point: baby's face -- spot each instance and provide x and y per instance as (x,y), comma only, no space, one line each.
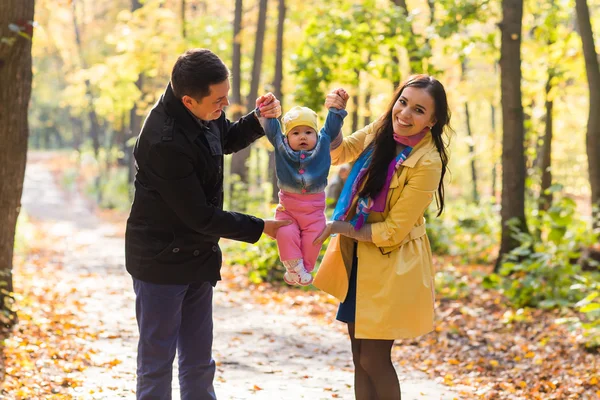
(302,137)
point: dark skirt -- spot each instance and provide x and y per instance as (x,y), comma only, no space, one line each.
(347,310)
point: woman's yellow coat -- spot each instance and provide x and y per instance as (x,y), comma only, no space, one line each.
(395,289)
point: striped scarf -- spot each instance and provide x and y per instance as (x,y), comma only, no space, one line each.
(358,174)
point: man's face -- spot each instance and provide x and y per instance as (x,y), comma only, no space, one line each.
(210,107)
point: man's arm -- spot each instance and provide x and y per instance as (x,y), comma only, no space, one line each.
(172,173)
(240,134)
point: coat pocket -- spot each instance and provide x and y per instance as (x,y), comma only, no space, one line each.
(167,249)
(183,252)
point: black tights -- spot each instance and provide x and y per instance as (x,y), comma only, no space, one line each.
(374,377)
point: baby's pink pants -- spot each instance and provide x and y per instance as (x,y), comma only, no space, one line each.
(295,241)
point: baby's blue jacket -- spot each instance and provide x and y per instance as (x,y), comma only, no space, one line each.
(304,171)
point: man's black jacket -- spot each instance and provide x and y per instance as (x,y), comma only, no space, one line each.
(177,215)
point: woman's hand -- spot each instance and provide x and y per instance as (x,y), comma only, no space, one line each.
(327,231)
(345,228)
(337,99)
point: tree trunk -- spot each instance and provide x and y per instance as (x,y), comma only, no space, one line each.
(368,95)
(15,92)
(494,163)
(238,160)
(135,121)
(183,26)
(545,167)
(415,61)
(273,178)
(513,157)
(278,78)
(258,54)
(135,126)
(431,4)
(471,143)
(475,192)
(593,123)
(236,70)
(94,125)
(77,127)
(57,137)
(277,91)
(236,76)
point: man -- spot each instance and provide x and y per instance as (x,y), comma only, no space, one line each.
(177,219)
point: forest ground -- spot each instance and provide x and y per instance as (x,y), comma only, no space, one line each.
(77,334)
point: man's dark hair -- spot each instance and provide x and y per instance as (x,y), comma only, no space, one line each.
(194,72)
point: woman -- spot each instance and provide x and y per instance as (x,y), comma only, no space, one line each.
(379,264)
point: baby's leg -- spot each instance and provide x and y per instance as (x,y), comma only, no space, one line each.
(311,227)
(288,244)
(288,237)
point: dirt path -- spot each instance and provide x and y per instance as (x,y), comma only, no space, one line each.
(260,354)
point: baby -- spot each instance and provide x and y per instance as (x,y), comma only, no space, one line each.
(302,163)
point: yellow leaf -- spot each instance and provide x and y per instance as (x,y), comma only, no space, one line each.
(449,380)
(493,363)
(530,354)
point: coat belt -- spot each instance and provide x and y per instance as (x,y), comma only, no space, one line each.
(415,233)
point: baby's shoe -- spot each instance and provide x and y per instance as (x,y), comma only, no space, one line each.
(296,273)
(291,277)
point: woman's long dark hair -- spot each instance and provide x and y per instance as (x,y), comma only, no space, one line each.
(385,146)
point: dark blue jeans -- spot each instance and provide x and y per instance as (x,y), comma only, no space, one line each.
(174,318)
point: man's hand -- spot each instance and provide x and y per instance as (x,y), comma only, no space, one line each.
(269,106)
(337,99)
(272,226)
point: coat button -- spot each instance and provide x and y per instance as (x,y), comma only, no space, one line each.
(301,171)
(215,248)
(214,200)
(196,252)
(176,250)
(303,156)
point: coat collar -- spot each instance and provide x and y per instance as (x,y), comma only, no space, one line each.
(425,146)
(175,109)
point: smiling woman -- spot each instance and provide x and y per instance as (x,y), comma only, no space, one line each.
(413,112)
(379,262)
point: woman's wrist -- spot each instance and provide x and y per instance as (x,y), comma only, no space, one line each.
(346,229)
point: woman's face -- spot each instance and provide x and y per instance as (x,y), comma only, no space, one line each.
(413,111)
